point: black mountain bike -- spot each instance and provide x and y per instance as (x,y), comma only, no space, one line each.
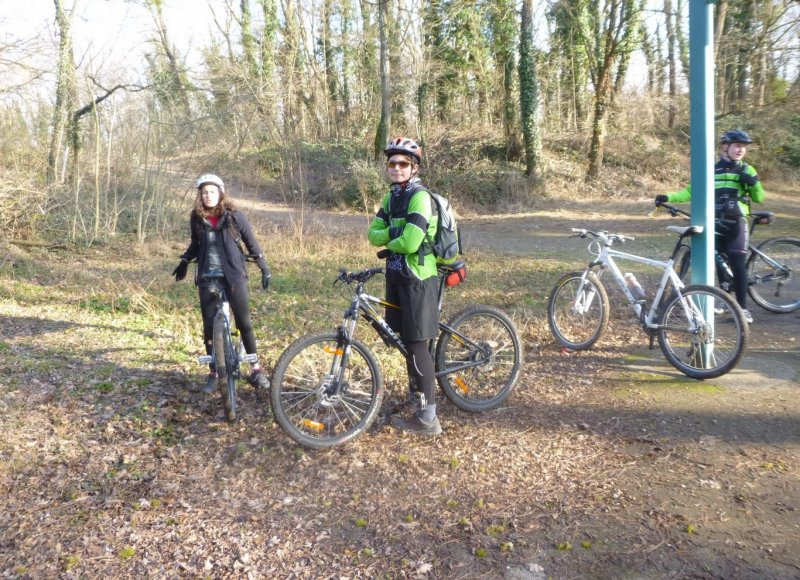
(226,356)
(773,267)
(327,388)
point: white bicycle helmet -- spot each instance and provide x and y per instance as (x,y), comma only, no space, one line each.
(404,146)
(210,178)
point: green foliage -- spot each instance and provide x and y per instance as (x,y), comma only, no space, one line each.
(127,553)
(105,387)
(789,151)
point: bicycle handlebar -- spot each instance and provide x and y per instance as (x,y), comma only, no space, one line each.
(673,211)
(362,276)
(247,257)
(602,235)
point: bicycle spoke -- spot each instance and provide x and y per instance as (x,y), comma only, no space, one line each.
(700,347)
(485,339)
(774,275)
(315,408)
(578,310)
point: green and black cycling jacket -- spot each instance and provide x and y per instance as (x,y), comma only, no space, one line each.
(726,183)
(415,222)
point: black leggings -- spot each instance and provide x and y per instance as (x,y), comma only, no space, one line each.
(733,242)
(240,307)
(421,372)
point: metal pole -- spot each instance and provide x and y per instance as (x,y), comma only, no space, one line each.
(701,105)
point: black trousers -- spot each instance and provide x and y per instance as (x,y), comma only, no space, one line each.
(733,240)
(239,301)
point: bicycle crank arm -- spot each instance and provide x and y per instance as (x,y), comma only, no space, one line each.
(250,358)
(206,359)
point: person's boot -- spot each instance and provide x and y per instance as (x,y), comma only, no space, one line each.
(417,425)
(211,383)
(259,380)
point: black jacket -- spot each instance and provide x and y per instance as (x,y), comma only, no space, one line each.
(231,228)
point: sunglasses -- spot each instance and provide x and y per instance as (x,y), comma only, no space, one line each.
(398,164)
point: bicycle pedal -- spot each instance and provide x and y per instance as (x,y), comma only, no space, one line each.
(206,359)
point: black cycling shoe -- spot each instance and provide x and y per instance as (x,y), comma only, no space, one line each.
(259,380)
(417,426)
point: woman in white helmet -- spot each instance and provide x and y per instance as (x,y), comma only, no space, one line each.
(216,230)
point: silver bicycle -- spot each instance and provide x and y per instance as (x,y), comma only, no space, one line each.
(700,329)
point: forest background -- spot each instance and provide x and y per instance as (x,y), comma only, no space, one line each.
(535,117)
(292,100)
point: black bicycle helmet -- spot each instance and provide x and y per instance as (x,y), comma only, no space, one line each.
(735,136)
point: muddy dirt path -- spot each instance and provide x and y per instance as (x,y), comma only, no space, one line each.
(711,487)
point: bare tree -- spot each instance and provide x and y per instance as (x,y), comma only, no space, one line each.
(66,95)
(382,132)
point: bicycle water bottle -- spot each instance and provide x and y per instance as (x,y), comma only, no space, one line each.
(634,287)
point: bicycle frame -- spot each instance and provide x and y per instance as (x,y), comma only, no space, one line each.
(606,260)
(364,304)
(723,268)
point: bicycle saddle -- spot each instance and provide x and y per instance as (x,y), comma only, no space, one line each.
(686,230)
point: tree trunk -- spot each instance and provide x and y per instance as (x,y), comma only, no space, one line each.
(529,94)
(382,133)
(671,63)
(720,15)
(503,25)
(66,94)
(597,147)
(173,66)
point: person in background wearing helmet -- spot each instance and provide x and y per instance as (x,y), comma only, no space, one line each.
(216,229)
(402,224)
(736,184)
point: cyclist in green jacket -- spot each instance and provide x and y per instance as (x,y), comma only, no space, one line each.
(403,225)
(736,184)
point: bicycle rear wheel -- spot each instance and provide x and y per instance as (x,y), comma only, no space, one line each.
(225,362)
(311,405)
(696,344)
(774,279)
(578,311)
(485,335)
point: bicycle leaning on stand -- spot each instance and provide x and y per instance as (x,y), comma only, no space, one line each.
(773,267)
(701,330)
(327,388)
(225,356)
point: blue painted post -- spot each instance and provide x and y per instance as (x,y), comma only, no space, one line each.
(701,133)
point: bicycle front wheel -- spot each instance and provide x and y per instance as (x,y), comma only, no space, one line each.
(578,310)
(484,344)
(774,278)
(702,332)
(317,403)
(225,363)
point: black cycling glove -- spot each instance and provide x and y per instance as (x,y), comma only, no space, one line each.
(180,270)
(747,179)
